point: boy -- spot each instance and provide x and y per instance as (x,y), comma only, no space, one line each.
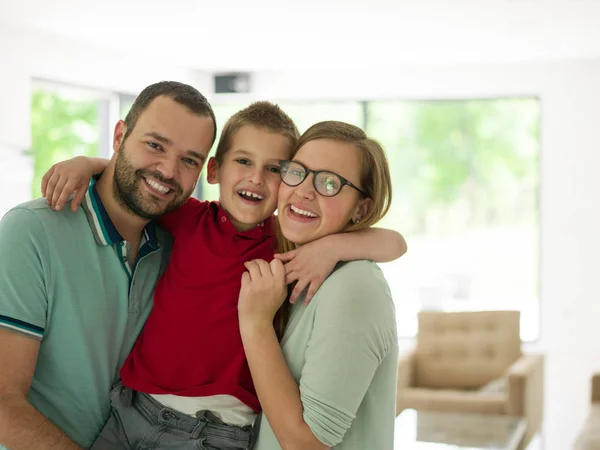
(187,379)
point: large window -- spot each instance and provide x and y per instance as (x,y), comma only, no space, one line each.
(466,179)
(68,121)
(465,183)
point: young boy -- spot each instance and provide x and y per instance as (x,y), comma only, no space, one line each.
(186,382)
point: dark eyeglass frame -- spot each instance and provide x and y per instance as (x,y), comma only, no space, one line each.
(308,171)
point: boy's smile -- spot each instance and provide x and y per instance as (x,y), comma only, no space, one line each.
(249,177)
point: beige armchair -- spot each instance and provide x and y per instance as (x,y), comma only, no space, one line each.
(472,362)
(589,437)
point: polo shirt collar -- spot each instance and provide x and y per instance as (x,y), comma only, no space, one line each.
(263,229)
(103,229)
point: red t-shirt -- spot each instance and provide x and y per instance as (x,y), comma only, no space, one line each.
(191,344)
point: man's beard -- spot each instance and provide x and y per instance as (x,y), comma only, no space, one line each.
(127,189)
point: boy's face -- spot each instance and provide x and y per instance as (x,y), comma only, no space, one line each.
(249,177)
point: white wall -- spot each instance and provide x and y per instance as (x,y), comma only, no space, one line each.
(570,211)
(570,169)
(26,55)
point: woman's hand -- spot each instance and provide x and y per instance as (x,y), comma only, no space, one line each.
(65,178)
(263,292)
(309,265)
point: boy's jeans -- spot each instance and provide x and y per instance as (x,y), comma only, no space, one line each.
(137,421)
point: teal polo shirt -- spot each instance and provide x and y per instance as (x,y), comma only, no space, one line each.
(65,280)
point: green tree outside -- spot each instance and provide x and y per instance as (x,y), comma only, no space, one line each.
(61,128)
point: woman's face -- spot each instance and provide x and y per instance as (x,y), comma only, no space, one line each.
(304,214)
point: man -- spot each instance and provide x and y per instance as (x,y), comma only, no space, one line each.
(76,288)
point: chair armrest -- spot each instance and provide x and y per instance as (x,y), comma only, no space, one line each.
(406,370)
(405,377)
(526,391)
(596,388)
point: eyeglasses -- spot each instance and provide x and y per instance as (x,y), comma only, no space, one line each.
(325,183)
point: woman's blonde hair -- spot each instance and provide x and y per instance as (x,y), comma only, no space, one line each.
(375,181)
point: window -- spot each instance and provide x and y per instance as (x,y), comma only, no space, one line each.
(465,184)
(68,121)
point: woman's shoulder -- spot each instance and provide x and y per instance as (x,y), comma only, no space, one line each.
(356,286)
(355,274)
(356,299)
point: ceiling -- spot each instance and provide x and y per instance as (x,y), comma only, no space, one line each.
(345,34)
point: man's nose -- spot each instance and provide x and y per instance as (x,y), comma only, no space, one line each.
(168,167)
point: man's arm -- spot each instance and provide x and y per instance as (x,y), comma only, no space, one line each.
(23,253)
(22,427)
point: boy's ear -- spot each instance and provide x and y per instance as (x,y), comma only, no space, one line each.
(119,135)
(212,171)
(362,209)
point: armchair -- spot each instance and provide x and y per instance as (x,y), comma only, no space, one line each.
(472,362)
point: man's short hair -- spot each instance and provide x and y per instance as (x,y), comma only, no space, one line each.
(181,93)
(266,115)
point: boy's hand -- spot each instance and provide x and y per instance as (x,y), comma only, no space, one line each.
(64,179)
(263,292)
(309,265)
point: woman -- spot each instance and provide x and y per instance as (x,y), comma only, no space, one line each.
(332,379)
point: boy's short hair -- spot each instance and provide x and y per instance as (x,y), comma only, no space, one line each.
(266,115)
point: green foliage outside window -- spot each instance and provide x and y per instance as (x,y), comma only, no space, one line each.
(61,128)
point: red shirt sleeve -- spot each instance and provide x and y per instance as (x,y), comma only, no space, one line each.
(180,218)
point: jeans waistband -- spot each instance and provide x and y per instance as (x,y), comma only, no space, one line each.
(203,424)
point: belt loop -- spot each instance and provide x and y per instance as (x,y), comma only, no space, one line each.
(126,396)
(251,439)
(197,431)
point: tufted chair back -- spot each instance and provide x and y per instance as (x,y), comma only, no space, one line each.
(465,350)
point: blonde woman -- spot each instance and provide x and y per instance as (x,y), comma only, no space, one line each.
(331,380)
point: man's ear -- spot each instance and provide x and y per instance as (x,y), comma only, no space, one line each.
(212,171)
(119,135)
(362,209)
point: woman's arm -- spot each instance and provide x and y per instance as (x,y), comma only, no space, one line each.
(277,390)
(262,293)
(352,333)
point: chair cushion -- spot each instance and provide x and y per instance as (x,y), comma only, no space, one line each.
(589,438)
(465,349)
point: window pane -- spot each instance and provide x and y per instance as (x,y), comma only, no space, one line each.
(63,125)
(308,113)
(125,104)
(465,184)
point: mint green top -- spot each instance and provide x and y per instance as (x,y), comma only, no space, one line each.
(342,350)
(65,279)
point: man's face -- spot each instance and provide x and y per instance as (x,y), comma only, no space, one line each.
(158,165)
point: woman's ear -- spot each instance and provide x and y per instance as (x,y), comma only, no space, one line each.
(362,209)
(212,171)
